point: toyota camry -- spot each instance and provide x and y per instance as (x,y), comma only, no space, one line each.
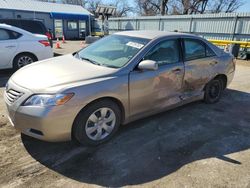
(129,75)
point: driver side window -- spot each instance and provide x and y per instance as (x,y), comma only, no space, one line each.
(166,52)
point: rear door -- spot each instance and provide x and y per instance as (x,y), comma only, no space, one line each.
(200,62)
(152,91)
(8,47)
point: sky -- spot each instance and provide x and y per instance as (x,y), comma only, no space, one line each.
(245,7)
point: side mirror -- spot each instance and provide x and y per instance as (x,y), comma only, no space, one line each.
(148,65)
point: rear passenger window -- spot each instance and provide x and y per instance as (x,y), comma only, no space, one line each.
(209,52)
(165,52)
(4,34)
(194,49)
(14,35)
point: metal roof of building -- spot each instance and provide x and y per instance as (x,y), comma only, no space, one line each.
(39,6)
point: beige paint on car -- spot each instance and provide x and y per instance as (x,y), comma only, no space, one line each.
(138,93)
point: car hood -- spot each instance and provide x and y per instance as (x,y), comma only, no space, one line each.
(58,71)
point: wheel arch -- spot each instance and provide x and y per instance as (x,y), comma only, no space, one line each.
(25,52)
(219,76)
(115,100)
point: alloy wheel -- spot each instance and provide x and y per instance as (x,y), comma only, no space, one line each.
(24,60)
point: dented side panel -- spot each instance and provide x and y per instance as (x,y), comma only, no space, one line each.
(199,72)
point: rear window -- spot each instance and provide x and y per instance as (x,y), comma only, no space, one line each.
(194,49)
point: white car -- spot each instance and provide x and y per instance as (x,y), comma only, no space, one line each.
(19,47)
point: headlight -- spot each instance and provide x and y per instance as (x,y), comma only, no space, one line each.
(48,100)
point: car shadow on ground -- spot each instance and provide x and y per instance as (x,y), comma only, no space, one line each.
(154,147)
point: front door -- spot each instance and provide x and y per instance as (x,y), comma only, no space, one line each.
(155,90)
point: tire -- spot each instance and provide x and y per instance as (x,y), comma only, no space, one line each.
(213,91)
(243,56)
(90,126)
(23,59)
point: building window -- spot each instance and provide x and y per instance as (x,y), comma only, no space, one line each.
(72,25)
(58,28)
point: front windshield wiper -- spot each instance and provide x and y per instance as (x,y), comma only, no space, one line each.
(110,66)
(94,62)
(90,60)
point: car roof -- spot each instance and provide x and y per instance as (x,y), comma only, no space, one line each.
(150,34)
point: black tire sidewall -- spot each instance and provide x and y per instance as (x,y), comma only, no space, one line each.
(79,132)
(207,97)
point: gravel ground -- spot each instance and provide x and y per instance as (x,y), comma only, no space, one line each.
(197,145)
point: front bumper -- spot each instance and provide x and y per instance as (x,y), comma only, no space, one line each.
(230,77)
(52,123)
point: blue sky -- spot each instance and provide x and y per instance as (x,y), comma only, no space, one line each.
(245,7)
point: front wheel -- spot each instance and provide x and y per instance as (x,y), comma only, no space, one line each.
(213,91)
(97,123)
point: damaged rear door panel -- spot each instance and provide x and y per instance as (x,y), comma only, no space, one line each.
(200,64)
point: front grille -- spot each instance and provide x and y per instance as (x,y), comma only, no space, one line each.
(12,95)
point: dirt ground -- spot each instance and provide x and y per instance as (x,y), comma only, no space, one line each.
(197,145)
(68,47)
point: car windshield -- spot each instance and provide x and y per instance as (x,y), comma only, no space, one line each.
(112,51)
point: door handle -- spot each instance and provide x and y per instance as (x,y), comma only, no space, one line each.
(10,46)
(178,70)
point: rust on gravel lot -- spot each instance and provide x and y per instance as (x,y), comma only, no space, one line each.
(195,145)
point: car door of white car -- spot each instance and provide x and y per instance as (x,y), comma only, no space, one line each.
(8,47)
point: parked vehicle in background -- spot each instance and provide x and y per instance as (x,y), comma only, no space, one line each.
(33,26)
(116,80)
(19,47)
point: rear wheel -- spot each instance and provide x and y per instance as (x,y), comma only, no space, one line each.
(97,123)
(23,59)
(213,91)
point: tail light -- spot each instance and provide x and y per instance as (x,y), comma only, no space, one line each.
(48,35)
(44,42)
